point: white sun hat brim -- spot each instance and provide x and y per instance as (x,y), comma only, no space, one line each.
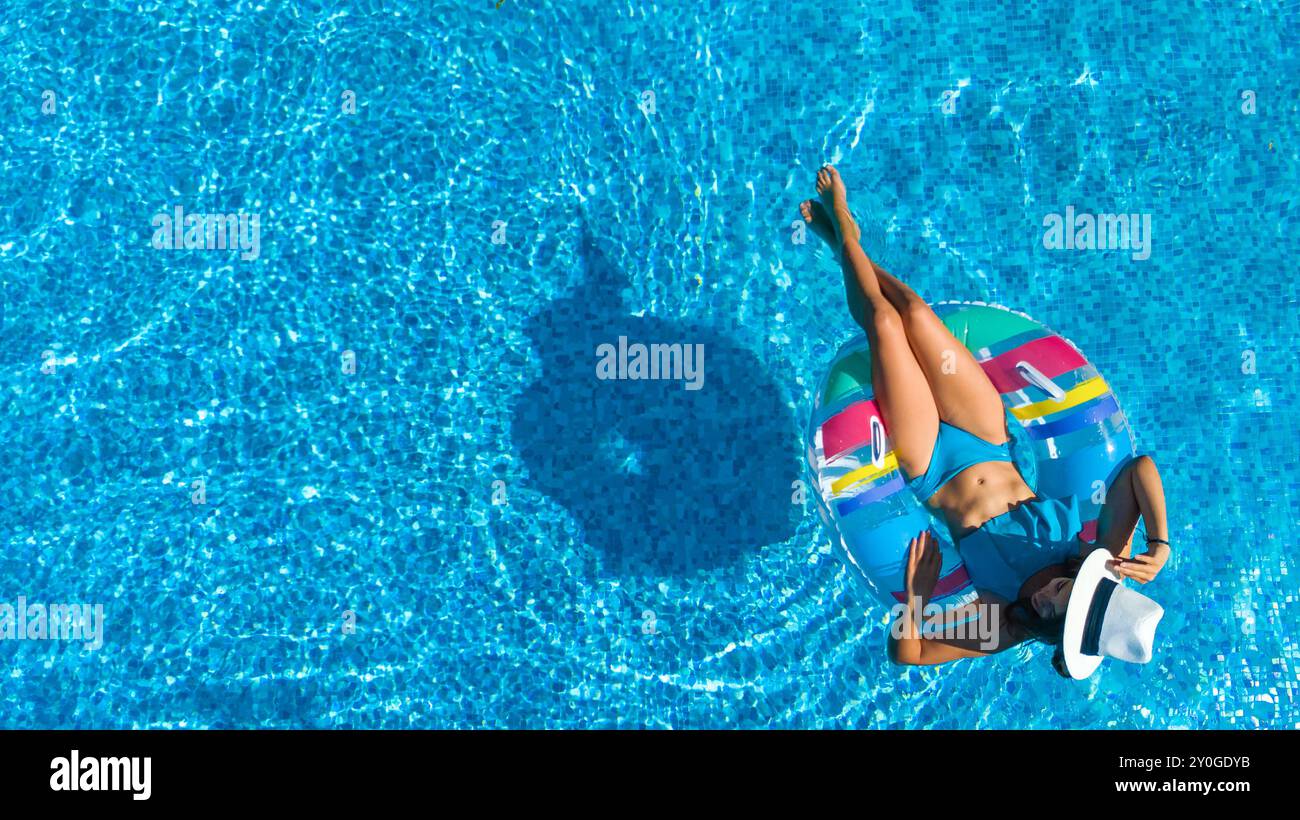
(1090,575)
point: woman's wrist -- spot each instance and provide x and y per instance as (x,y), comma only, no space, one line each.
(914,606)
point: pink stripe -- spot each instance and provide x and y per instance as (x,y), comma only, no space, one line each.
(848,428)
(1052,355)
(1089,531)
(954,581)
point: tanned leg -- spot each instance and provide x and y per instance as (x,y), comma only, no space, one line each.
(962,392)
(900,385)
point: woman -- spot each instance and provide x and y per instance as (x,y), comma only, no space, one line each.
(948,428)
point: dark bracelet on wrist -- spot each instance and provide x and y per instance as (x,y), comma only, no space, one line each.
(1159,541)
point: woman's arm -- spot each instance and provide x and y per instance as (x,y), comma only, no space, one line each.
(1137,491)
(908,647)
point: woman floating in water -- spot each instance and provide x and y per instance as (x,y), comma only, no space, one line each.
(1023,553)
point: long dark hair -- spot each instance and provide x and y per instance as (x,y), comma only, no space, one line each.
(1026,621)
(1033,626)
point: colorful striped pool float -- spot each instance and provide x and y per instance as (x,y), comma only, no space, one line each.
(1069,437)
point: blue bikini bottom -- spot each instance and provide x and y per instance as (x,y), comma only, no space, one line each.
(954,451)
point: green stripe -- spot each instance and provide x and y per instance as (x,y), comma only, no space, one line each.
(982,326)
(849,374)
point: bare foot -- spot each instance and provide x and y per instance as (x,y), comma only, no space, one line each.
(815,215)
(835,199)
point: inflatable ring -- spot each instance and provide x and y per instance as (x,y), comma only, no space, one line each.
(1068,437)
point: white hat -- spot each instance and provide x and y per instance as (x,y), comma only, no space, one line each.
(1105,619)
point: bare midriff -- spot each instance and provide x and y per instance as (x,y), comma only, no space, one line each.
(978,493)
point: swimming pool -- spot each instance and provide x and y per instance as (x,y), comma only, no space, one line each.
(364,475)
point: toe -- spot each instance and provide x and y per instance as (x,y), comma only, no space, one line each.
(805,210)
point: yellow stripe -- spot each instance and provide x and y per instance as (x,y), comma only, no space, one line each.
(1087,391)
(866,473)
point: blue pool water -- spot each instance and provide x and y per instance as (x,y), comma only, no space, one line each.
(519,543)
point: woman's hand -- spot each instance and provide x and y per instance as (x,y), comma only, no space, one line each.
(923,564)
(1145,567)
(909,644)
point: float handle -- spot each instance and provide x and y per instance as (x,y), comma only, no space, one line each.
(1035,377)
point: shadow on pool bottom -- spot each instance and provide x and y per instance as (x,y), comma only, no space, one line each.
(663,479)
